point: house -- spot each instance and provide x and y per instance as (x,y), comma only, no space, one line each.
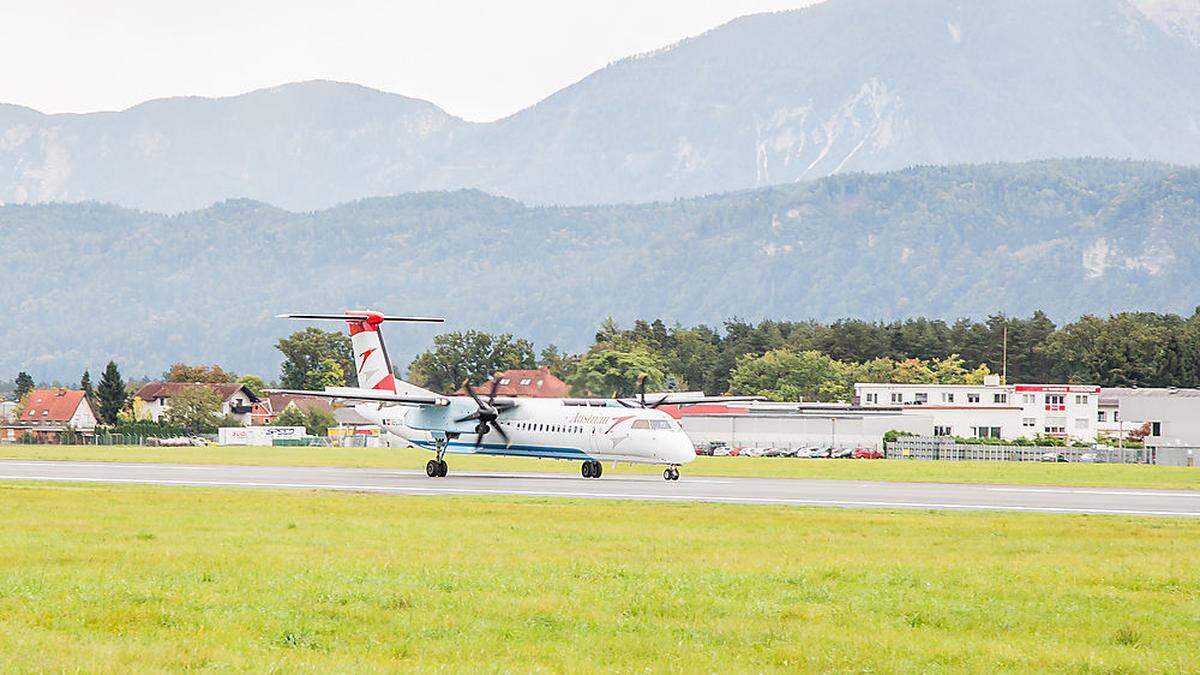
(266,410)
(538,383)
(50,412)
(154,400)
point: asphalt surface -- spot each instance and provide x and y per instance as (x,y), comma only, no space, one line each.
(787,491)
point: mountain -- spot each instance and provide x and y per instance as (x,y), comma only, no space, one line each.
(83,283)
(843,86)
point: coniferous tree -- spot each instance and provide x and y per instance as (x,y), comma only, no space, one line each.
(85,383)
(24,384)
(111,394)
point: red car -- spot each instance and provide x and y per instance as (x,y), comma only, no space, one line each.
(864,453)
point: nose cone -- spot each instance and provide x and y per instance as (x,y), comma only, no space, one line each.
(682,450)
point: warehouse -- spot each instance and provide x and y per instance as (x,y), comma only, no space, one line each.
(797,424)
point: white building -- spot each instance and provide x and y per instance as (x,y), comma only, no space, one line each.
(1173,414)
(992,409)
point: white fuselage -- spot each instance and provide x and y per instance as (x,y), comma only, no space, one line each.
(550,428)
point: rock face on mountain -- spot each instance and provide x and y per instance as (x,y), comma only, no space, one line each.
(84,283)
(846,85)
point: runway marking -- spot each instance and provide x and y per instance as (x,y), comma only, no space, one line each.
(612,495)
(1085,491)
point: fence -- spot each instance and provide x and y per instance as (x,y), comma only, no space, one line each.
(946,449)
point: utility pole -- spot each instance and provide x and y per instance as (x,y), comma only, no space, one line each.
(1004,359)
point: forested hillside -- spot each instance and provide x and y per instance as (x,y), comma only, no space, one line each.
(83,283)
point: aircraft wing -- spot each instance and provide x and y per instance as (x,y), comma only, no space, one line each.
(694,398)
(356,395)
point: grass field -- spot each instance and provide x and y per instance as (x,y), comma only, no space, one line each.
(1016,473)
(142,578)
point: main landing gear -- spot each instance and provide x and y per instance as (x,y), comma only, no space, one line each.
(592,469)
(671,473)
(436,468)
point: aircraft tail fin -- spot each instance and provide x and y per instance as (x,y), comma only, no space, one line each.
(371,360)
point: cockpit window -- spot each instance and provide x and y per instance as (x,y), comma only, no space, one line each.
(641,424)
(660,424)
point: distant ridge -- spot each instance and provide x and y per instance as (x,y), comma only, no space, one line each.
(842,86)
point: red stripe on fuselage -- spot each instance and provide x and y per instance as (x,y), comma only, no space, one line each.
(618,421)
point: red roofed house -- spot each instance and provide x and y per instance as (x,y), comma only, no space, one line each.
(49,412)
(540,383)
(154,400)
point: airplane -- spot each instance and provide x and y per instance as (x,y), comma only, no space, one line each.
(589,430)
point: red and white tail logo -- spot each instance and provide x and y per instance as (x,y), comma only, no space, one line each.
(374,371)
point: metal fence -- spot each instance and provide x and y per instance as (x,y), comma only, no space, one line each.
(946,449)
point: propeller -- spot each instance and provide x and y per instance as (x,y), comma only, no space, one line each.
(641,399)
(487,413)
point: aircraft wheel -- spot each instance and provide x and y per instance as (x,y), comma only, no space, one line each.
(597,469)
(443,469)
(586,469)
(667,474)
(432,469)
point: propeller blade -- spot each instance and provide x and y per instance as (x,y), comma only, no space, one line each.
(468,418)
(503,434)
(478,440)
(625,403)
(660,401)
(471,391)
(492,393)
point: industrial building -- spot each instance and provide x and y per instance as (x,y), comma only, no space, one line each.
(796,424)
(993,409)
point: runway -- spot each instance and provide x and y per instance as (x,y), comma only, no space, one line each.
(782,491)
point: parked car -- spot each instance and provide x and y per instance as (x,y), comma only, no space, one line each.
(1053,457)
(842,453)
(1089,458)
(819,453)
(867,453)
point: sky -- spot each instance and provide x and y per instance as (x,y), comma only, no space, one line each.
(477,60)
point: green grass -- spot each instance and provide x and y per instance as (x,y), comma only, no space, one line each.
(127,578)
(1016,473)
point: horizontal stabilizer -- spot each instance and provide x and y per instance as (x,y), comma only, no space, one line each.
(354,394)
(359,316)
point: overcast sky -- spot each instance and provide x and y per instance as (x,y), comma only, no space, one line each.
(478,60)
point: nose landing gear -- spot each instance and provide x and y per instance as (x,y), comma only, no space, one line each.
(437,468)
(671,473)
(592,469)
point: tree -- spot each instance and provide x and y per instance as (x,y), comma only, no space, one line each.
(305,353)
(254,383)
(786,375)
(181,372)
(328,374)
(196,408)
(561,365)
(85,383)
(473,356)
(24,383)
(977,376)
(317,421)
(111,394)
(291,416)
(605,371)
(913,371)
(949,370)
